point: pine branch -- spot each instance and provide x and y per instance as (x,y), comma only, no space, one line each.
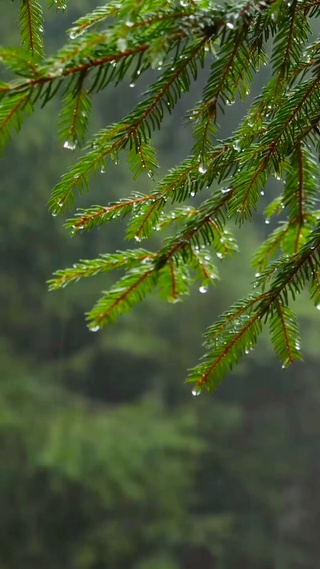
(31,26)
(105,263)
(284,334)
(12,114)
(74,115)
(278,136)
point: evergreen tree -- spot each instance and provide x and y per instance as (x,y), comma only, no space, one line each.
(277,136)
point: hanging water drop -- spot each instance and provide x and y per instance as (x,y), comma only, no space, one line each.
(122,44)
(202,169)
(94,328)
(267,221)
(70,144)
(73,34)
(230,26)
(318,307)
(132,85)
(196,391)
(203,289)
(129,24)
(137,238)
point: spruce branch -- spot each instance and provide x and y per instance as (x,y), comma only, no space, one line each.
(278,136)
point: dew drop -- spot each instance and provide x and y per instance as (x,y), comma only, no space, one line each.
(122,44)
(129,24)
(103,168)
(196,391)
(318,306)
(70,144)
(230,26)
(219,255)
(203,289)
(72,34)
(192,194)
(137,238)
(230,102)
(132,85)
(202,169)
(262,193)
(94,328)
(267,221)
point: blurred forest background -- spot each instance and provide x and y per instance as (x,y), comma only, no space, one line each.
(107,461)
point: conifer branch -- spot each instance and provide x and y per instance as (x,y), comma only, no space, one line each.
(31,25)
(279,135)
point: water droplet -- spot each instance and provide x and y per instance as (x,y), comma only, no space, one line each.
(129,24)
(236,145)
(122,44)
(318,306)
(70,144)
(203,289)
(132,85)
(247,351)
(230,26)
(137,238)
(257,275)
(219,255)
(196,391)
(94,328)
(103,168)
(202,169)
(192,194)
(230,102)
(262,193)
(72,34)
(225,190)
(267,221)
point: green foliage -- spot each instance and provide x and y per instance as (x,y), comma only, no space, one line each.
(278,136)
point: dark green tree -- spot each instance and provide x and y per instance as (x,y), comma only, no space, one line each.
(278,135)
